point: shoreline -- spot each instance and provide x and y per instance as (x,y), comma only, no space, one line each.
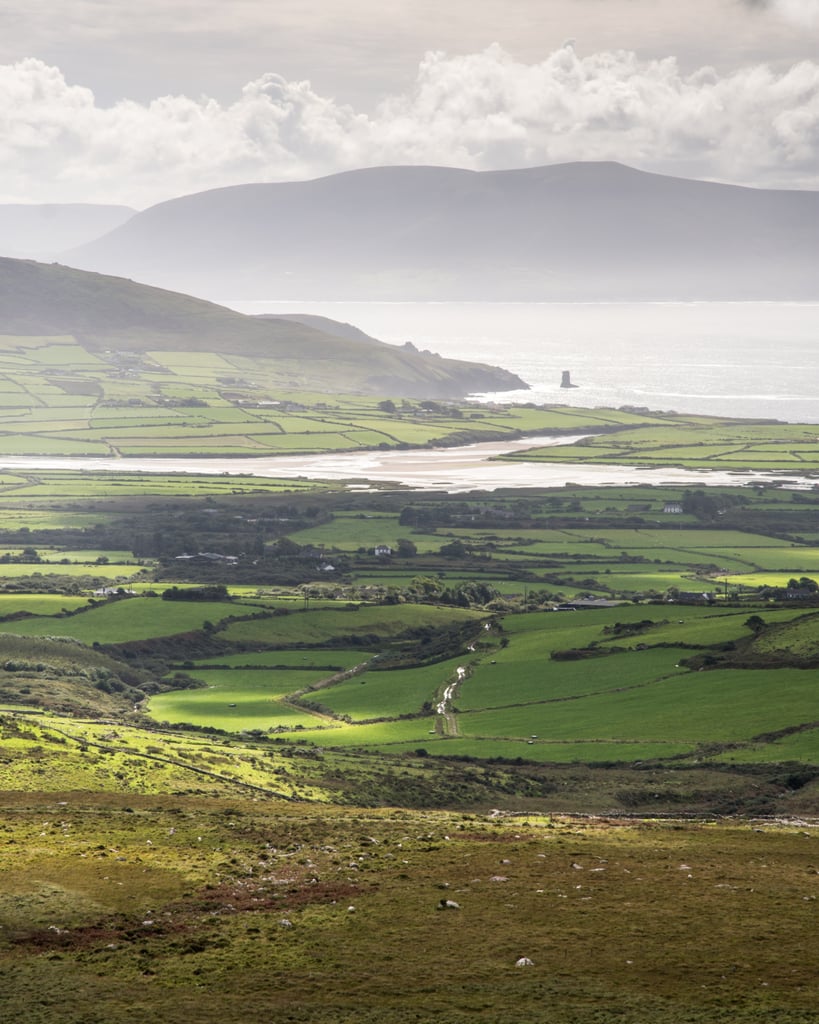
(453,469)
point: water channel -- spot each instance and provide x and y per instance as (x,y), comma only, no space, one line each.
(457,469)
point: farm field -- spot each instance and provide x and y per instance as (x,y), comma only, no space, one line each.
(136,618)
(607,684)
(236,700)
(668,620)
(389,693)
(324,625)
(700,443)
(61,399)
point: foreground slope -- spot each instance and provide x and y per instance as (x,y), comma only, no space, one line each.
(189,908)
(108,313)
(581,231)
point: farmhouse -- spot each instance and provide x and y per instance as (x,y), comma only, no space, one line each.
(382,550)
(672,508)
(693,597)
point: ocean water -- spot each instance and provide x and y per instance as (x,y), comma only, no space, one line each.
(742,359)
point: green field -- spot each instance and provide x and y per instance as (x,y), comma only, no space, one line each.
(388,694)
(236,700)
(698,442)
(61,399)
(694,619)
(321,626)
(135,618)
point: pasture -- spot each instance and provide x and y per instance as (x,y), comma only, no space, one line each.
(60,399)
(609,683)
(697,443)
(237,700)
(625,694)
(133,618)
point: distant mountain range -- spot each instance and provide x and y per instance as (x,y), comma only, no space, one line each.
(110,313)
(579,231)
(41,231)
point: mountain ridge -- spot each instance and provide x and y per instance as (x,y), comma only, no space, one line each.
(562,232)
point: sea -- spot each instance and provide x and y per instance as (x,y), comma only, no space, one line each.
(757,360)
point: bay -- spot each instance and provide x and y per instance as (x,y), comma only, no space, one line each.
(753,360)
(757,360)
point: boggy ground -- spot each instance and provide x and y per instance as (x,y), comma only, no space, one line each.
(122,908)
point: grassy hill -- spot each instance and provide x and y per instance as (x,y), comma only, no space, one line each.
(109,313)
(375,811)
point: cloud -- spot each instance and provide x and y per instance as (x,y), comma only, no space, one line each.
(799,12)
(482,110)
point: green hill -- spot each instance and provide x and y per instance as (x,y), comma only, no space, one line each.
(109,313)
(60,674)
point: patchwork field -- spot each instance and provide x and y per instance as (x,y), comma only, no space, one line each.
(451,632)
(702,443)
(60,399)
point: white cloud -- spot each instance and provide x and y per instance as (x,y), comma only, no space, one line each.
(483,110)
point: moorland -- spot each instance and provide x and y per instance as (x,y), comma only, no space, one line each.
(285,749)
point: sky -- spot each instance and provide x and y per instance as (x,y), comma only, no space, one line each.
(111,101)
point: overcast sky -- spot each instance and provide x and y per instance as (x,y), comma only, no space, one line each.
(117,101)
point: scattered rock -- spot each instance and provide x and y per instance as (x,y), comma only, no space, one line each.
(448,905)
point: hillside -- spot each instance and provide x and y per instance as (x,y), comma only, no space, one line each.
(375,795)
(582,231)
(108,313)
(42,230)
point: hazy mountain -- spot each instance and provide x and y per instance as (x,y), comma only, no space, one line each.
(42,231)
(113,313)
(570,231)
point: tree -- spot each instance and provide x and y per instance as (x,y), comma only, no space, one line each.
(387,405)
(755,623)
(455,549)
(803,583)
(405,548)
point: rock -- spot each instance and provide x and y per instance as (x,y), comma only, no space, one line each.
(524,961)
(448,905)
